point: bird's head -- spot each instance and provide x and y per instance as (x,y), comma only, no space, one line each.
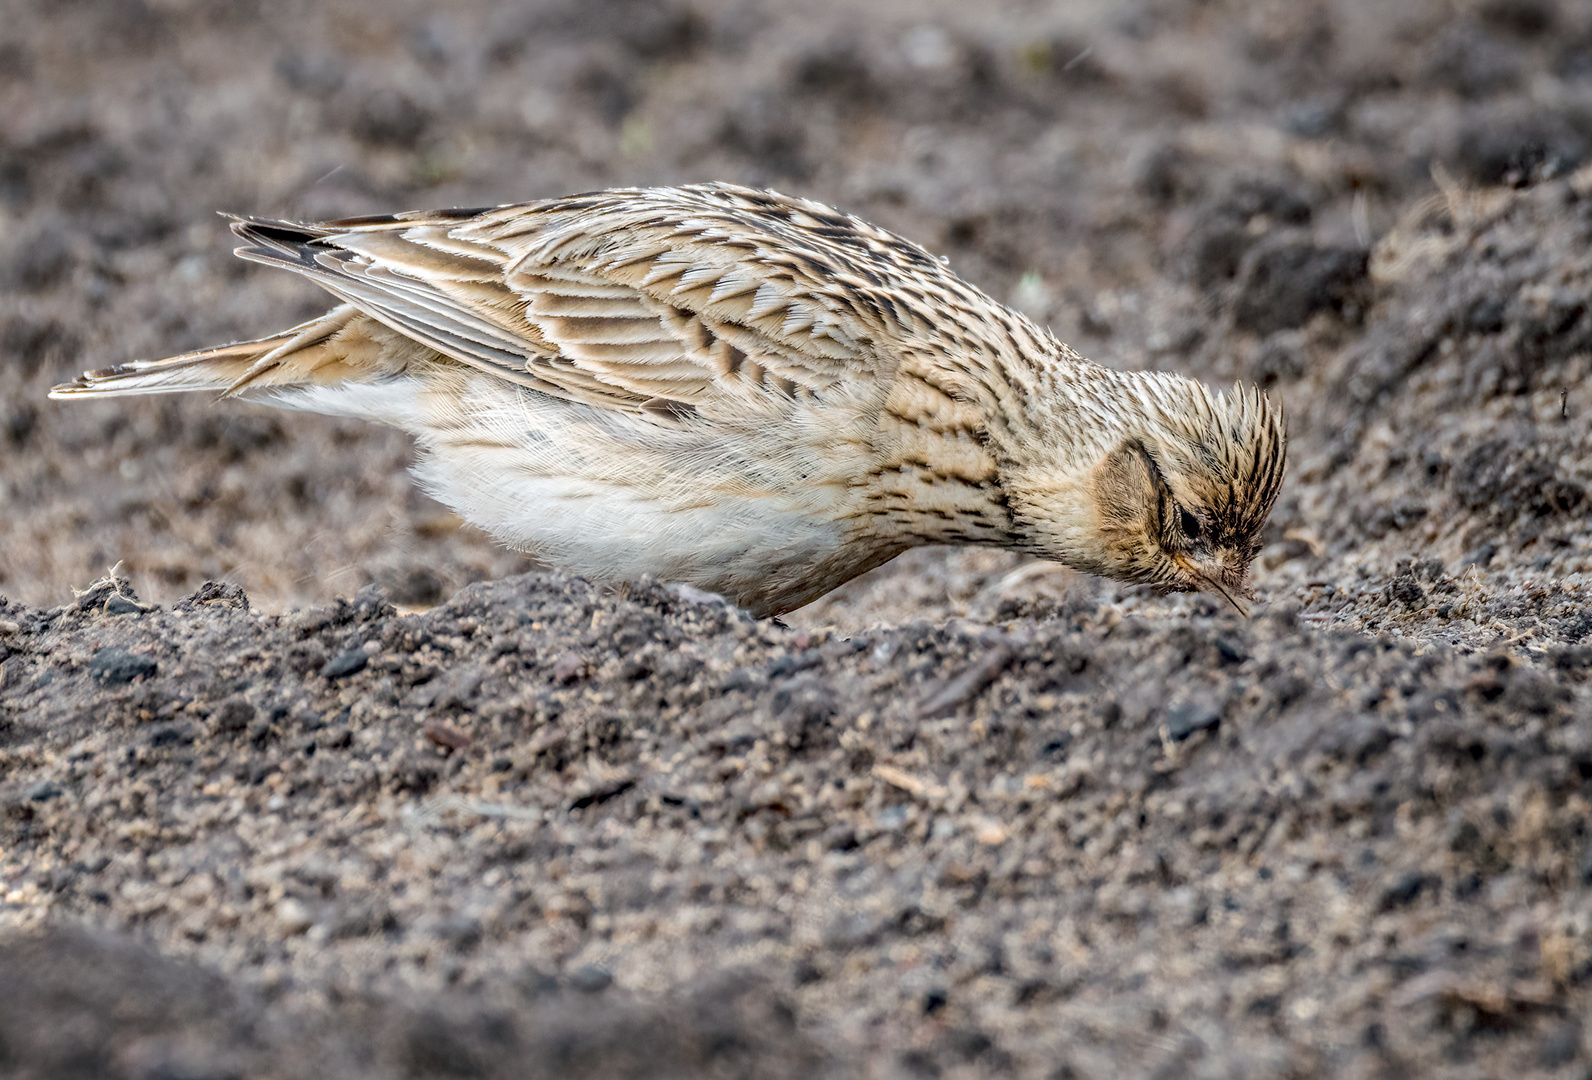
(1179,496)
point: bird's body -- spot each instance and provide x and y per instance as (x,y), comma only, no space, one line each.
(752,394)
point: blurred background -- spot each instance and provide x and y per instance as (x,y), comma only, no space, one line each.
(1293,192)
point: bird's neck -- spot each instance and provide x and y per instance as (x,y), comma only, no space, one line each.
(1050,427)
(985,453)
(1057,412)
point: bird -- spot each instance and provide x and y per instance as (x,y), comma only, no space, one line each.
(744,392)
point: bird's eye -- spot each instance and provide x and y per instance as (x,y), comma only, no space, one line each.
(1188,523)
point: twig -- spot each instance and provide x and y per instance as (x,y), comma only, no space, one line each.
(912,785)
(967,685)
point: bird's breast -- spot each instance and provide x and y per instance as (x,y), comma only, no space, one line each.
(769,511)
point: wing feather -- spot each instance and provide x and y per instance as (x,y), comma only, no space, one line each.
(631,299)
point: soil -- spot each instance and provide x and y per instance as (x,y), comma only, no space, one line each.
(319,783)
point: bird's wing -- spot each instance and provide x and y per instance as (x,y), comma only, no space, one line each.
(663,301)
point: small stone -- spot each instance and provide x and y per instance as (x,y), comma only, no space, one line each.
(591,979)
(169,735)
(293,917)
(346,663)
(1404,891)
(990,832)
(232,715)
(1404,590)
(121,605)
(45,791)
(1185,718)
(117,666)
(445,735)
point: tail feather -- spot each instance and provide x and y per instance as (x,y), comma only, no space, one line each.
(208,369)
(330,348)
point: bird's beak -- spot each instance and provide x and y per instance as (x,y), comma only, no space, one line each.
(1228,586)
(1216,586)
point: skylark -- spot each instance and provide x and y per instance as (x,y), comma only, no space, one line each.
(745,392)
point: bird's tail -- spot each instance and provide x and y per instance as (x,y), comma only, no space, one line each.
(328,349)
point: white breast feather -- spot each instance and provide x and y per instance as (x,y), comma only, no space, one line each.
(543,476)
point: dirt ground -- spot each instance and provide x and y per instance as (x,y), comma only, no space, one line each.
(323,784)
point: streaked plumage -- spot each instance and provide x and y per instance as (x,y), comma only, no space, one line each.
(742,391)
